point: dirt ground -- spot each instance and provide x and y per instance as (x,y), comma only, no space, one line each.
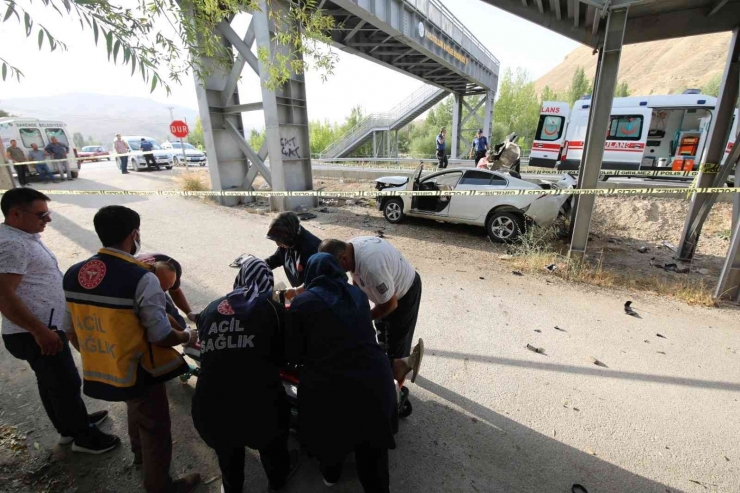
(489,416)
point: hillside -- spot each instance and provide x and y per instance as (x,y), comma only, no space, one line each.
(659,67)
(101,116)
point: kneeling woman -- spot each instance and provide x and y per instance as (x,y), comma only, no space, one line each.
(239,400)
(347,397)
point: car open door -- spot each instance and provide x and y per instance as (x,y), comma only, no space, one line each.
(436,205)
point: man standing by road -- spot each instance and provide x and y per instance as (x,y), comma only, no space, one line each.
(480,146)
(147,147)
(57,150)
(31,294)
(16,155)
(441,149)
(36,156)
(392,284)
(122,147)
(126,342)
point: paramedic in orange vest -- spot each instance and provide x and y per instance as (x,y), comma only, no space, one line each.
(124,336)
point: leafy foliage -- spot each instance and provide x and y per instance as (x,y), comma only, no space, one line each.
(517,109)
(711,88)
(622,90)
(182,37)
(195,136)
(579,86)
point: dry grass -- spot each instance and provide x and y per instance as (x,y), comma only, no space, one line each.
(193,182)
(538,249)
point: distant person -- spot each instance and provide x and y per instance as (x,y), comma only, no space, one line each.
(33,306)
(480,146)
(122,147)
(35,156)
(147,147)
(441,149)
(16,156)
(57,150)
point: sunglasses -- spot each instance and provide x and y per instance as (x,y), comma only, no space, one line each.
(40,215)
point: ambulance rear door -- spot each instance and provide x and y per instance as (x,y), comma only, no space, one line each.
(626,137)
(550,134)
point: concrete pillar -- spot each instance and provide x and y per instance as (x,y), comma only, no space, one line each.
(286,116)
(701,203)
(456,130)
(602,103)
(488,117)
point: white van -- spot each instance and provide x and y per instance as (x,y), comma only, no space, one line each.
(644,133)
(27,131)
(550,135)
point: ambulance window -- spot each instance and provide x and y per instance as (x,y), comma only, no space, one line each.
(59,134)
(550,127)
(31,136)
(625,127)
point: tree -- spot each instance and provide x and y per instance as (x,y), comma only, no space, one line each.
(711,88)
(195,137)
(78,139)
(256,139)
(622,90)
(550,95)
(580,86)
(517,108)
(180,36)
(4,113)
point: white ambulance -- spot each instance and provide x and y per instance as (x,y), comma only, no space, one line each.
(27,131)
(644,133)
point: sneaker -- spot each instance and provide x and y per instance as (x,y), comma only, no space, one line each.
(186,484)
(94,419)
(295,461)
(95,442)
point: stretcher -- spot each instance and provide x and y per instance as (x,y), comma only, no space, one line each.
(291,384)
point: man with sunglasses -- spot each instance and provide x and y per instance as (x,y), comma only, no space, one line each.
(33,306)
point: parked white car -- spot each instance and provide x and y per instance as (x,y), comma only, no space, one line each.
(136,162)
(504,216)
(193,157)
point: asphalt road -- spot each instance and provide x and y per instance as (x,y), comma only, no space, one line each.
(489,415)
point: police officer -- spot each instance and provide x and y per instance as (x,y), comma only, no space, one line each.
(124,336)
(441,148)
(479,147)
(239,400)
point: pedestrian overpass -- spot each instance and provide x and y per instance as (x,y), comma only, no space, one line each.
(420,38)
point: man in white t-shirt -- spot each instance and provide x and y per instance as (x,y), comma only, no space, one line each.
(394,287)
(32,304)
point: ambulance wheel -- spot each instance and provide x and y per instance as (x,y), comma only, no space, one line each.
(406,410)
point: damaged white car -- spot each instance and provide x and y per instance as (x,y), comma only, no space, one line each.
(505,217)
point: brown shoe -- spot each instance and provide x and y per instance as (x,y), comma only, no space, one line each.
(186,484)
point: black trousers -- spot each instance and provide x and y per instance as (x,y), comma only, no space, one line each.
(22,172)
(58,382)
(396,331)
(275,461)
(479,155)
(150,160)
(442,159)
(372,469)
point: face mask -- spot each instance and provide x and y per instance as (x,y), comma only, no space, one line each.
(137,246)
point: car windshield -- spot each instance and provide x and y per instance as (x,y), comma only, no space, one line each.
(177,145)
(89,149)
(136,144)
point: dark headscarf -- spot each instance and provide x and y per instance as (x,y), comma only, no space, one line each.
(253,283)
(284,229)
(326,279)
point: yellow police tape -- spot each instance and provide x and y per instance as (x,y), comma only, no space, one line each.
(395,193)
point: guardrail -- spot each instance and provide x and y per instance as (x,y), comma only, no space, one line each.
(410,160)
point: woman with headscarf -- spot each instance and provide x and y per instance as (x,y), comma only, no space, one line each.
(347,398)
(295,246)
(239,399)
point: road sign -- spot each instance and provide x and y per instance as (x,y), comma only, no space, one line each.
(179,129)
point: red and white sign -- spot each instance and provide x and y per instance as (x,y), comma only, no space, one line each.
(550,110)
(179,129)
(91,274)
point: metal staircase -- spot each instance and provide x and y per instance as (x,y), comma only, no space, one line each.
(369,127)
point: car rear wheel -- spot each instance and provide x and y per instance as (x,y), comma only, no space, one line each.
(393,211)
(504,226)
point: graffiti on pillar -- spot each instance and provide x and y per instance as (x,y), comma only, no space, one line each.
(289,148)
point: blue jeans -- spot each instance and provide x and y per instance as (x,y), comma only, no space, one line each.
(44,172)
(124,164)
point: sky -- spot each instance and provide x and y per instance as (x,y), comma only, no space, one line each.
(84,67)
